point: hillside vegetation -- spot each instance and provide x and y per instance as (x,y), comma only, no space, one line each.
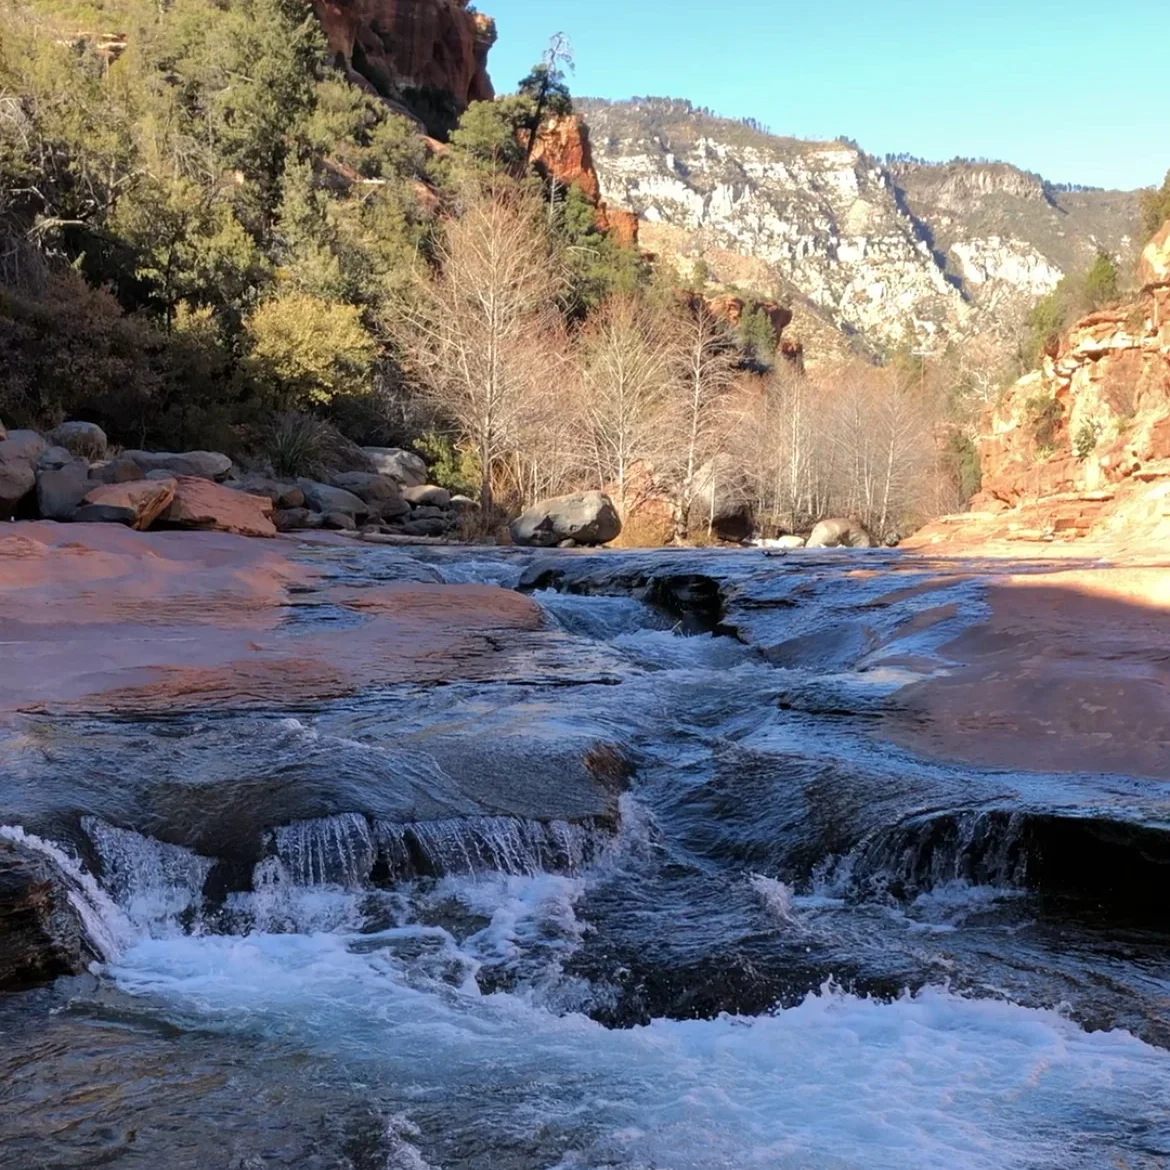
(209,238)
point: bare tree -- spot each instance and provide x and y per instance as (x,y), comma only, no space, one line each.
(472,329)
(697,411)
(629,354)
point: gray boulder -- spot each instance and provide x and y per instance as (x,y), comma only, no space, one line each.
(60,490)
(372,487)
(839,533)
(340,521)
(587,517)
(197,464)
(118,470)
(26,445)
(52,458)
(323,498)
(427,494)
(104,514)
(84,439)
(430,527)
(17,477)
(404,466)
(291,519)
(282,492)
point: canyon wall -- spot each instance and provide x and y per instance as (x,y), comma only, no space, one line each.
(871,255)
(1080,448)
(407,50)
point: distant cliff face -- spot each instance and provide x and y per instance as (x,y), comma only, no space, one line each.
(1081,446)
(436,47)
(891,255)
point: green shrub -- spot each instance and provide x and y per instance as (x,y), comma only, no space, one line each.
(1085,440)
(1045,415)
(299,444)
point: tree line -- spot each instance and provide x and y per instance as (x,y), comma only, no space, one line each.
(212,231)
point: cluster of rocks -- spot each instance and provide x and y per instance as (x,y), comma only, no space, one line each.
(70,475)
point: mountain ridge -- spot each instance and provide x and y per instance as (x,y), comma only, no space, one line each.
(895,253)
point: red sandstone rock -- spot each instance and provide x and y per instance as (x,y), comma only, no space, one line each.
(395,45)
(199,503)
(146,499)
(562,152)
(1154,268)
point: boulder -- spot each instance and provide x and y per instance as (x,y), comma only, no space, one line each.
(373,488)
(323,498)
(60,490)
(104,514)
(52,458)
(464,504)
(432,527)
(292,519)
(587,517)
(191,464)
(3,433)
(404,466)
(119,470)
(138,503)
(17,477)
(427,493)
(282,492)
(839,533)
(84,439)
(26,445)
(41,931)
(200,503)
(341,521)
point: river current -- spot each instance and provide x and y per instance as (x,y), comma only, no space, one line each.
(409,929)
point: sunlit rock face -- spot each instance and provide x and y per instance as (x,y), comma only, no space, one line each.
(398,46)
(898,254)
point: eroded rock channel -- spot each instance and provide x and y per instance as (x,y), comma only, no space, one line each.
(333,855)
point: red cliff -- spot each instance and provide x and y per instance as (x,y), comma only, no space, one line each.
(439,47)
(1081,446)
(562,152)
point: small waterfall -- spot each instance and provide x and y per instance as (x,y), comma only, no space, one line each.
(106,928)
(925,852)
(508,845)
(348,850)
(154,883)
(338,850)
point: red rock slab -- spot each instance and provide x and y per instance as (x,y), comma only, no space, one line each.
(146,498)
(1069,673)
(200,503)
(97,617)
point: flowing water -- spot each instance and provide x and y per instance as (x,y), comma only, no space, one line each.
(414,929)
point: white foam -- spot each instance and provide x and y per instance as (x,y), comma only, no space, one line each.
(106,926)
(929,1080)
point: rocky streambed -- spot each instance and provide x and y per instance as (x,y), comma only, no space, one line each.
(319,854)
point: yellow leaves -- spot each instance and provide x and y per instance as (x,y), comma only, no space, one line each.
(305,349)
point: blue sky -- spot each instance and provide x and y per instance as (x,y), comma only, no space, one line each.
(1072,89)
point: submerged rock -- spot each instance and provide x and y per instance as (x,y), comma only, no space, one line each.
(41,933)
(585,517)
